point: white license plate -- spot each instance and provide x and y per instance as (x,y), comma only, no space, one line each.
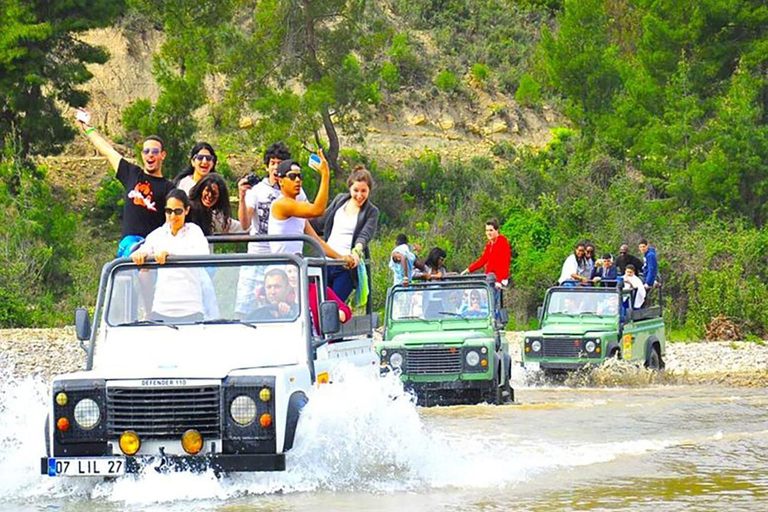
(534,366)
(102,466)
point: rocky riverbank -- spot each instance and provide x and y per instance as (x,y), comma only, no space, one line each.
(46,352)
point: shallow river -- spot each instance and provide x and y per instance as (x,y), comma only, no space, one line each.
(362,445)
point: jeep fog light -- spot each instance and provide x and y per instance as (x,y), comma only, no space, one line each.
(87,414)
(396,360)
(590,346)
(265,420)
(536,346)
(62,424)
(129,442)
(62,399)
(243,410)
(265,394)
(192,442)
(472,358)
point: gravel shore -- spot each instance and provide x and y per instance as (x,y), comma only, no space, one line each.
(47,352)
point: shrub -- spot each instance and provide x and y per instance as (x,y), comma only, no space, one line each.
(528,92)
(480,72)
(447,81)
(390,76)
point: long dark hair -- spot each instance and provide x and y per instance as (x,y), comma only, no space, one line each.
(203,216)
(190,170)
(434,257)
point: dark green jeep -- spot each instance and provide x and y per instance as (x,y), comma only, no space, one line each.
(445,338)
(584,325)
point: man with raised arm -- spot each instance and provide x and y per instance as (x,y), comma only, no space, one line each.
(145,188)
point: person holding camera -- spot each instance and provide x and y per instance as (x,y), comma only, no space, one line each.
(146,188)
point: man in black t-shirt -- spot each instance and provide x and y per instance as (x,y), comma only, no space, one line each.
(625,258)
(145,188)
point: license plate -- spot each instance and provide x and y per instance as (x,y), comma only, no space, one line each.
(102,466)
(534,366)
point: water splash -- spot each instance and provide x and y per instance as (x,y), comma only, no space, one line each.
(359,434)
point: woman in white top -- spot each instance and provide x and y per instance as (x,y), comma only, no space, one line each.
(349,224)
(202,161)
(288,215)
(178,293)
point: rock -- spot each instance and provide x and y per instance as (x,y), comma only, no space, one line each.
(446,122)
(372,129)
(245,122)
(720,328)
(499,126)
(417,119)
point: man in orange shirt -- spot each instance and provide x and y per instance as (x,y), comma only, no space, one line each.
(496,257)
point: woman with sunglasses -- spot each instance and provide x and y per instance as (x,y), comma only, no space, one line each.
(202,160)
(178,293)
(348,225)
(210,208)
(288,216)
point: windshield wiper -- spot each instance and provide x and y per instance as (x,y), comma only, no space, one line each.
(562,313)
(449,313)
(148,322)
(412,317)
(223,321)
(590,313)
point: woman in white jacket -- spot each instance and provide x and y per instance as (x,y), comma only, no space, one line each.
(178,295)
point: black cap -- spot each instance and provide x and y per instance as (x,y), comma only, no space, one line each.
(287,166)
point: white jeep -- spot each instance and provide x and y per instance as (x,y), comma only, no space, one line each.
(222,389)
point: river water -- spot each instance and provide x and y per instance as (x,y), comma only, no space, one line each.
(363,445)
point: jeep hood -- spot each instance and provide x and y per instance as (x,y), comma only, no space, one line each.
(437,337)
(574,329)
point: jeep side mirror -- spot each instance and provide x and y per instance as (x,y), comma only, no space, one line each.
(375,321)
(329,317)
(540,314)
(82,324)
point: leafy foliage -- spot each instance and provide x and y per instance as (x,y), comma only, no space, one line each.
(41,63)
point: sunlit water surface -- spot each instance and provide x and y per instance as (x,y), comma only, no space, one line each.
(363,445)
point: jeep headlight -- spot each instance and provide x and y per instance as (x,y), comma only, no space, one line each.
(396,360)
(536,346)
(472,358)
(243,410)
(590,346)
(87,414)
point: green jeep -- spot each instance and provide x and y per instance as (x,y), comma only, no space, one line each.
(584,325)
(445,338)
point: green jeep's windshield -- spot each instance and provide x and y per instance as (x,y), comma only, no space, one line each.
(583,303)
(186,293)
(432,303)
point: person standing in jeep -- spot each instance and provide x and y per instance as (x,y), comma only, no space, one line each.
(495,258)
(146,188)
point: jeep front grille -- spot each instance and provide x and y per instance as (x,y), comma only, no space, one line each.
(164,412)
(433,361)
(564,347)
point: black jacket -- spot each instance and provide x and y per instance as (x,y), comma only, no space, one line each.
(623,260)
(367,221)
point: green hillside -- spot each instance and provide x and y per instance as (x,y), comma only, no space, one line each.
(660,115)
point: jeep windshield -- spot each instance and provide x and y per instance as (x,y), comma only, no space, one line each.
(205,310)
(583,303)
(432,303)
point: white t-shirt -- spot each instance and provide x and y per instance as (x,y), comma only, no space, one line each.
(289,226)
(178,291)
(186,183)
(570,267)
(260,199)
(636,283)
(343,231)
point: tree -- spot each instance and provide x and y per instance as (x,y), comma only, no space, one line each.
(42,63)
(193,40)
(301,64)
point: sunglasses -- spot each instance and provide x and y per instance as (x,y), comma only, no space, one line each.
(176,211)
(154,151)
(205,158)
(294,176)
